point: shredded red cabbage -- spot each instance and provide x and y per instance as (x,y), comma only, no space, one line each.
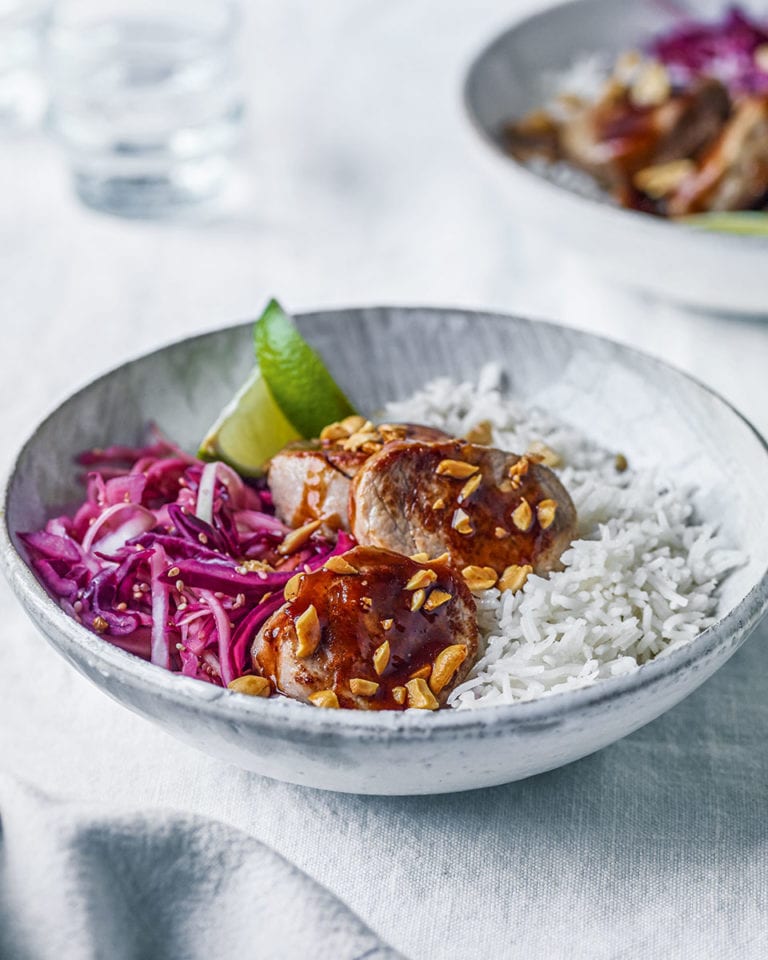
(172,559)
(724,50)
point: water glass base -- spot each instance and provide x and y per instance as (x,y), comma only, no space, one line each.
(171,195)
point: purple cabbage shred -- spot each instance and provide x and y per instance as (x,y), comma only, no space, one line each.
(723,49)
(137,565)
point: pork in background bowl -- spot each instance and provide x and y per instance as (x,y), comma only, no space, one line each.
(514,75)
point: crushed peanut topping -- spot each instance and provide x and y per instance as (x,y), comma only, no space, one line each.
(627,63)
(479,578)
(461,523)
(620,463)
(457,469)
(439,504)
(100,625)
(257,566)
(353,424)
(251,686)
(298,537)
(381,657)
(651,86)
(420,557)
(514,577)
(436,599)
(422,673)
(420,696)
(522,516)
(366,602)
(399,694)
(545,512)
(422,578)
(307,632)
(387,624)
(334,431)
(481,433)
(519,468)
(324,698)
(661,179)
(291,589)
(363,688)
(470,486)
(364,436)
(392,431)
(417,600)
(539,451)
(500,533)
(338,564)
(447,662)
(173,572)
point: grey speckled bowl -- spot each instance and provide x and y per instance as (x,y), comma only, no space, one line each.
(623,399)
(514,74)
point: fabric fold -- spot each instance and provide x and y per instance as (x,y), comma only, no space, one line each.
(77,882)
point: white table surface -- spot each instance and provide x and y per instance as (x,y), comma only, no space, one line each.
(360,186)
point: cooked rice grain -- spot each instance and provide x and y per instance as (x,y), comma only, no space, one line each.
(640,580)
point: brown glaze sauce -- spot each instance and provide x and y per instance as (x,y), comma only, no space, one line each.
(329,462)
(493,540)
(353,610)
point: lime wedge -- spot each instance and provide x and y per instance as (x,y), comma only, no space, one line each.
(748,223)
(298,379)
(249,430)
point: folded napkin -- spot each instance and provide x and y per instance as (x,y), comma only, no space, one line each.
(79,884)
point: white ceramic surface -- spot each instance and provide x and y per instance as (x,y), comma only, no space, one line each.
(625,399)
(513,75)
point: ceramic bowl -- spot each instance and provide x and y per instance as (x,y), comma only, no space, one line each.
(513,75)
(624,399)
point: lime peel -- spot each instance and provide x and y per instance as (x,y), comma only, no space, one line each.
(290,395)
(303,388)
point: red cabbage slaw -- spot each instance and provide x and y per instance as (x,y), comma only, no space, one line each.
(172,559)
(724,49)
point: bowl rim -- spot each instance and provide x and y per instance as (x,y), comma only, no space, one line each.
(547,190)
(132,671)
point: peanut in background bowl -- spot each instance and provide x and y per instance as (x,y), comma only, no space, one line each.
(621,398)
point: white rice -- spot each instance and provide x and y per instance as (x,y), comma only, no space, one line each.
(640,580)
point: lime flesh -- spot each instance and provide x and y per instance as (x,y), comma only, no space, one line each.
(249,430)
(747,223)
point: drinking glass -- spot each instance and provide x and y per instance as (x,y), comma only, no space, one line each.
(22,91)
(145,98)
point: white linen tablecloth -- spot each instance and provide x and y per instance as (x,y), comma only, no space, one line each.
(359,186)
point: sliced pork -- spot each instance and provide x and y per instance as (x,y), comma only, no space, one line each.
(371,630)
(310,480)
(485,507)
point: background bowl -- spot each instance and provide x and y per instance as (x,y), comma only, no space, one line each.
(623,399)
(513,75)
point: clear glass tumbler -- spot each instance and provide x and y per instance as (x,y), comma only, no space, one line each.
(145,97)
(22,92)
